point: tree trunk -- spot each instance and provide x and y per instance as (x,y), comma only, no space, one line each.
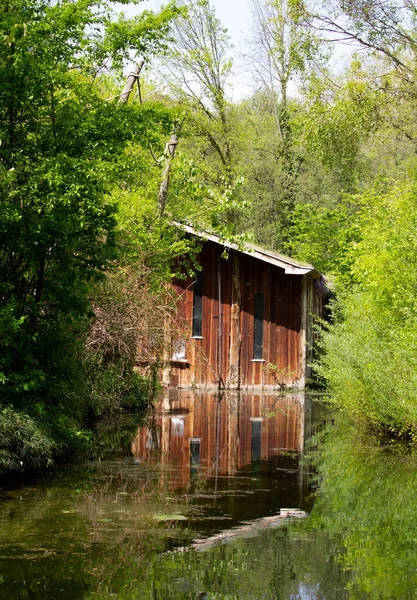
(130,82)
(166,173)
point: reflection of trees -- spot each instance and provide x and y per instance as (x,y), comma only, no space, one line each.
(90,532)
(92,535)
(29,548)
(113,435)
(314,558)
(368,497)
(282,568)
(285,563)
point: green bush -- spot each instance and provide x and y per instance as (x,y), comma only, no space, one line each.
(113,390)
(23,444)
(370,355)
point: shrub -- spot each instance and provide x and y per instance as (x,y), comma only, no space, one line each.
(23,444)
(371,352)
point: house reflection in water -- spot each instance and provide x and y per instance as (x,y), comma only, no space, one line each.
(212,434)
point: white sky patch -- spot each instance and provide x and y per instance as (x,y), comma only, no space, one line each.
(235,15)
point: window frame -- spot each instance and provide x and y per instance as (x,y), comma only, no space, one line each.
(197,322)
(258,326)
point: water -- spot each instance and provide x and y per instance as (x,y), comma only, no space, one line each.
(195,509)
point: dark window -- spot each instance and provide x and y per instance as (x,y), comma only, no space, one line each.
(198,305)
(194,456)
(258,327)
(256,440)
(195,451)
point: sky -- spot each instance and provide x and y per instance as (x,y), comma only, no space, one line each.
(234,14)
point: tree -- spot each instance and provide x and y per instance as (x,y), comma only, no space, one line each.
(386,29)
(284,48)
(62,152)
(371,351)
(198,68)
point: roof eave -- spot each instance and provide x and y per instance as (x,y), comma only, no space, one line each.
(289,266)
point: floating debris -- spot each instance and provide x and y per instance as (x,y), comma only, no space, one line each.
(249,529)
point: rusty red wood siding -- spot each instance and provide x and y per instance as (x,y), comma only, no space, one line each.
(208,358)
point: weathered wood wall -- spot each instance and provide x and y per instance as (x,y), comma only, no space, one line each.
(224,354)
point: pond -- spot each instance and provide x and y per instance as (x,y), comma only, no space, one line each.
(217,498)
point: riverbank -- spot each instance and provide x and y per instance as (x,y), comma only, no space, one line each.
(30,444)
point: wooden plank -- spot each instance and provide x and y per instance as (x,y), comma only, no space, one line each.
(226,312)
(283,331)
(296,328)
(273,359)
(267,325)
(245,321)
(210,339)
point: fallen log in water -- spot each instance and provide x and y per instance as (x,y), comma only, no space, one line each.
(249,529)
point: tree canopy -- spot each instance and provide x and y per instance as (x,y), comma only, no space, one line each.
(62,153)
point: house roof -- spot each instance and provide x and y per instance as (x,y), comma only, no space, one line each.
(290,266)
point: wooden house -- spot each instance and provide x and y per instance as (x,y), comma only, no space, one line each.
(246,319)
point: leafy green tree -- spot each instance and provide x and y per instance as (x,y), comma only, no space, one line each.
(284,49)
(337,127)
(370,353)
(134,308)
(386,29)
(200,64)
(61,154)
(385,34)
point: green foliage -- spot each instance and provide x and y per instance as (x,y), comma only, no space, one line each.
(146,34)
(198,68)
(367,498)
(337,121)
(113,388)
(151,243)
(371,354)
(62,153)
(324,235)
(384,29)
(113,435)
(134,309)
(286,49)
(23,444)
(81,240)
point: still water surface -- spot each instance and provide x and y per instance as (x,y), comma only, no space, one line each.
(199,508)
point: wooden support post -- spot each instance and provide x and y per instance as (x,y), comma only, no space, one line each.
(235,331)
